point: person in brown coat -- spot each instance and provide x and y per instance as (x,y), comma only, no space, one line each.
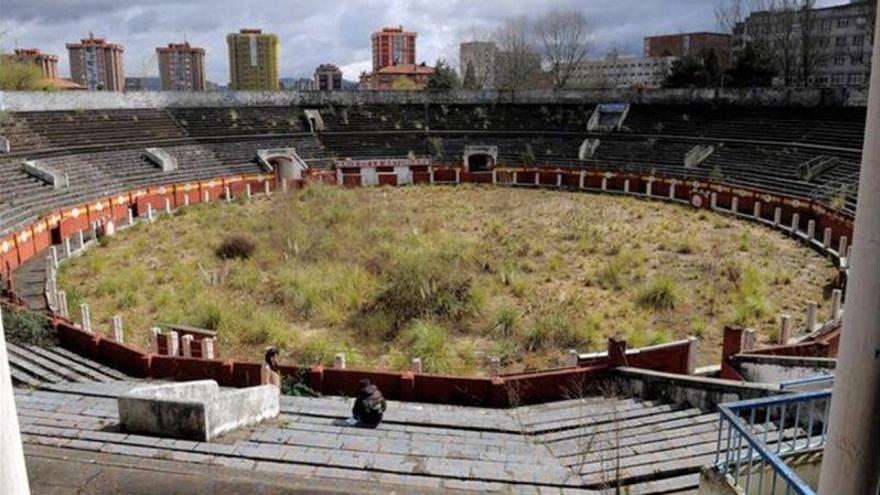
(369,405)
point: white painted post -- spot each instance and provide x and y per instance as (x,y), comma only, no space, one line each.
(186,199)
(207,348)
(626,186)
(495,367)
(150,212)
(13,472)
(693,354)
(186,343)
(117,328)
(173,343)
(266,187)
(811,230)
(649,187)
(458,176)
(227,193)
(672,191)
(339,361)
(515,177)
(130,217)
(86,317)
(558,179)
(826,238)
(247,190)
(67,249)
(795,223)
(154,339)
(734,204)
(836,303)
(431,174)
(54,256)
(713,200)
(167,206)
(811,316)
(572,358)
(81,238)
(581,178)
(284,185)
(110,228)
(206,198)
(494,176)
(841,250)
(756,210)
(777,216)
(62,304)
(537,178)
(749,339)
(784,328)
(604,183)
(416,365)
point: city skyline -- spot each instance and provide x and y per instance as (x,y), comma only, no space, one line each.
(340,29)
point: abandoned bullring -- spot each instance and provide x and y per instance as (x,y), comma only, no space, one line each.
(551,292)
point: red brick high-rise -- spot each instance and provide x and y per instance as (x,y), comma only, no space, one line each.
(47,63)
(393,46)
(684,44)
(181,67)
(96,64)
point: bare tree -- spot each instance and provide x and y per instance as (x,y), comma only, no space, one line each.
(518,63)
(813,52)
(564,37)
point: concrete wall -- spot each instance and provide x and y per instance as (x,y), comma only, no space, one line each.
(23,101)
(774,369)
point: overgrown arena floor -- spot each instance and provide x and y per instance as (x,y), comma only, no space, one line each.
(453,275)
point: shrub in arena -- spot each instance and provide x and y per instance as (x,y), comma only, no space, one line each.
(236,247)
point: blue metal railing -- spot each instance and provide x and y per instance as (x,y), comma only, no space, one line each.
(810,381)
(760,431)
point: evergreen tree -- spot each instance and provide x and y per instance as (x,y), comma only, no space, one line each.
(444,78)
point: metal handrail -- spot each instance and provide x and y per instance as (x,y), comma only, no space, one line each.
(810,380)
(758,449)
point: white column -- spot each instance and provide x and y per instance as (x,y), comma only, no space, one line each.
(206,198)
(207,348)
(626,186)
(826,238)
(604,183)
(13,473)
(784,328)
(247,188)
(53,251)
(494,367)
(795,222)
(812,307)
(581,179)
(672,191)
(416,365)
(339,361)
(186,343)
(558,179)
(841,249)
(458,176)
(572,358)
(154,339)
(811,230)
(734,204)
(86,317)
(850,462)
(227,193)
(494,176)
(67,249)
(649,187)
(62,304)
(713,200)
(186,199)
(431,174)
(173,344)
(836,301)
(777,216)
(756,211)
(167,206)
(130,217)
(268,193)
(117,328)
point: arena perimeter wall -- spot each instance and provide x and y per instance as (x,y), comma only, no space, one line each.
(34,101)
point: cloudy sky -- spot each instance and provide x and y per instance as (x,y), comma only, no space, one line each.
(314,32)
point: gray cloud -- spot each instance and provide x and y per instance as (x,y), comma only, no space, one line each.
(335,31)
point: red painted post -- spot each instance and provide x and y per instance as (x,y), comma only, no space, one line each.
(617,352)
(316,379)
(731,346)
(407,386)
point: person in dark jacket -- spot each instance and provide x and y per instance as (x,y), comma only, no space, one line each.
(369,405)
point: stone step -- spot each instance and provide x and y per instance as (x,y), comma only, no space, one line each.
(85,372)
(17,353)
(106,370)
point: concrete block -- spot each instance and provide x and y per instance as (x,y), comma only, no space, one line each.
(416,365)
(195,410)
(339,361)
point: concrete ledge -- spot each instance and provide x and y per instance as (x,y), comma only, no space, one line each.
(45,173)
(195,410)
(162,158)
(773,369)
(699,392)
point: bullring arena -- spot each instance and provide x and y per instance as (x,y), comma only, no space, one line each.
(555,291)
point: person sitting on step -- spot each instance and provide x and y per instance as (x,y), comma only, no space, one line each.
(369,405)
(271,373)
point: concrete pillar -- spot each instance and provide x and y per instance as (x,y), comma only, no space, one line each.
(795,223)
(558,179)
(266,188)
(672,191)
(206,198)
(13,472)
(582,176)
(130,217)
(63,311)
(110,228)
(836,302)
(173,344)
(784,328)
(713,200)
(750,338)
(693,354)
(756,210)
(207,348)
(604,183)
(495,367)
(515,177)
(67,249)
(117,329)
(86,317)
(537,178)
(154,339)
(826,238)
(186,343)
(247,190)
(649,187)
(458,176)
(81,238)
(431,175)
(416,365)
(850,462)
(284,186)
(572,358)
(841,249)
(167,206)
(339,361)
(227,193)
(53,256)
(811,230)
(626,186)
(186,199)
(777,216)
(811,316)
(734,204)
